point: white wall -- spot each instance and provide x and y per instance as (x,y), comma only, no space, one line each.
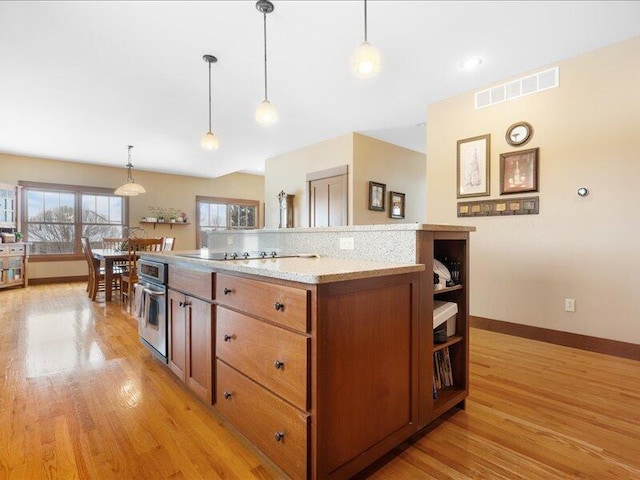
(400,169)
(522,268)
(289,171)
(367,158)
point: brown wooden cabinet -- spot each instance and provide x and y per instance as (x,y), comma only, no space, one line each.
(326,378)
(453,246)
(321,378)
(191,326)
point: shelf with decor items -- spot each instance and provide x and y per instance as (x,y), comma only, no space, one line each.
(171,224)
(452,356)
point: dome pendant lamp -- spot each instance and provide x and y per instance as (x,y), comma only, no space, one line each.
(131,188)
(266,113)
(365,62)
(209,140)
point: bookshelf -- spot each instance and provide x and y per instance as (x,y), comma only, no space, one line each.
(454,247)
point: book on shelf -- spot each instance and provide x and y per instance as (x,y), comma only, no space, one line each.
(442,370)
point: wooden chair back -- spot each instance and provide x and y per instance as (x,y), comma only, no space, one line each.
(93,263)
(113,243)
(169,243)
(136,245)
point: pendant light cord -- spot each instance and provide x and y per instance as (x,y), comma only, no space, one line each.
(365,20)
(264,16)
(209,96)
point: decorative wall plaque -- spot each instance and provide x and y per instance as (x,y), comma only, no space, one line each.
(499,207)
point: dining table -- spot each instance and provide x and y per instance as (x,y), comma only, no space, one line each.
(109,257)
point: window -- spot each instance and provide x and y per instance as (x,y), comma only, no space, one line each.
(223,214)
(55,217)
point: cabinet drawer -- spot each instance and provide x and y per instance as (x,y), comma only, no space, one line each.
(262,418)
(278,303)
(272,356)
(4,249)
(15,249)
(192,282)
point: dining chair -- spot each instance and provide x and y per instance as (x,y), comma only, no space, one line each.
(169,243)
(96,277)
(130,277)
(111,243)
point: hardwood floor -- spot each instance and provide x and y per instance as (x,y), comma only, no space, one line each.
(80,397)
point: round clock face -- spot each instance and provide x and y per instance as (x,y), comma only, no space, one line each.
(519,133)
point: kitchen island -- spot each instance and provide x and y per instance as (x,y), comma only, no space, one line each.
(323,364)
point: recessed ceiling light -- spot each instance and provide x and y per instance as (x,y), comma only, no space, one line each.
(471,63)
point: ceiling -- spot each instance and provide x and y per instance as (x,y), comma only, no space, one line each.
(80,81)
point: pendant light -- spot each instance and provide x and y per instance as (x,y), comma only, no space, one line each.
(365,62)
(266,113)
(209,140)
(130,189)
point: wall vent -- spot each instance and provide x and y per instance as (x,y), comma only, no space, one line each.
(538,82)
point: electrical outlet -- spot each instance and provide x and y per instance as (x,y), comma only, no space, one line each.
(569,305)
(346,243)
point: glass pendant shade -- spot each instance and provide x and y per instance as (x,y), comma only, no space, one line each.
(210,141)
(130,190)
(266,113)
(365,62)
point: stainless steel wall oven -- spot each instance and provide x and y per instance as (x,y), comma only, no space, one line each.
(150,306)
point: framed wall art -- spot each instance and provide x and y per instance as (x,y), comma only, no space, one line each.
(377,193)
(474,160)
(397,202)
(519,171)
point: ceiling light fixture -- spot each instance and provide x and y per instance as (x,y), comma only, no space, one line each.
(471,63)
(209,140)
(130,189)
(365,62)
(266,113)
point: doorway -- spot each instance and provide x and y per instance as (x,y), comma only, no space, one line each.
(328,197)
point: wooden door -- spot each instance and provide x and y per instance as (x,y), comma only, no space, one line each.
(328,201)
(177,354)
(200,349)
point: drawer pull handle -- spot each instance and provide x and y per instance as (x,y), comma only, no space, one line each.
(227,395)
(226,291)
(279,436)
(279,306)
(181,303)
(228,338)
(278,364)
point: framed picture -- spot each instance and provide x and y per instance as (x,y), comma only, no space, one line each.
(396,200)
(474,160)
(519,171)
(376,196)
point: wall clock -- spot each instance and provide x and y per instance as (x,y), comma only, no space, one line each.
(519,133)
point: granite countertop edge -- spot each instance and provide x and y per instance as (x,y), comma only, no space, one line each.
(304,270)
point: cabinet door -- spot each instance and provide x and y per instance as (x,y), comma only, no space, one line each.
(199,351)
(177,334)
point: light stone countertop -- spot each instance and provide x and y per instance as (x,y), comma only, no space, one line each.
(314,270)
(385,227)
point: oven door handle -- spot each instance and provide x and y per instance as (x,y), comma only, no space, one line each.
(153,293)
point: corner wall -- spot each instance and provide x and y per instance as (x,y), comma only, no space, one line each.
(400,169)
(163,190)
(523,267)
(289,171)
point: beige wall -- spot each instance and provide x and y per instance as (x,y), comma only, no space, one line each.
(289,171)
(522,268)
(163,190)
(367,159)
(400,169)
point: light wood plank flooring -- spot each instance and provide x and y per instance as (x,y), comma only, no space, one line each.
(80,397)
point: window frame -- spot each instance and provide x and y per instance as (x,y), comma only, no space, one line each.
(200,199)
(78,191)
